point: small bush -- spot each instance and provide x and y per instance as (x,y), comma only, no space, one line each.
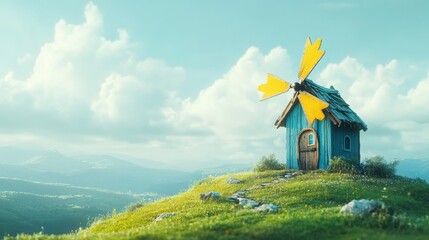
(134,206)
(342,165)
(269,163)
(378,167)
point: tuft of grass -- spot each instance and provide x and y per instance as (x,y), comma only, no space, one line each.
(377,166)
(267,163)
(342,165)
(309,207)
(134,206)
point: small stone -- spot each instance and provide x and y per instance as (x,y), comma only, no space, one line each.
(164,215)
(233,180)
(294,174)
(270,208)
(254,187)
(266,184)
(209,195)
(248,203)
(234,197)
(240,193)
(363,206)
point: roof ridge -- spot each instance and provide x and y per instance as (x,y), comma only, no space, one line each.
(338,108)
(331,89)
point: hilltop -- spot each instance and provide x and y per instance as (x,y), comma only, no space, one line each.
(309,207)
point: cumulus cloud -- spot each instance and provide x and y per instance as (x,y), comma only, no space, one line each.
(230,102)
(83,77)
(397,115)
(229,112)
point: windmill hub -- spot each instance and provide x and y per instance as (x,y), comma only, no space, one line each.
(311,105)
(297,87)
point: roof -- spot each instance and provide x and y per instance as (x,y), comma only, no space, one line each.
(338,111)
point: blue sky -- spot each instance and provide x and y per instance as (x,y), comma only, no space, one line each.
(175,81)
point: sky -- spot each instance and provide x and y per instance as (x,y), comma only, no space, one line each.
(176,81)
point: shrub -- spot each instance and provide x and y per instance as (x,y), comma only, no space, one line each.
(378,167)
(342,165)
(269,163)
(134,206)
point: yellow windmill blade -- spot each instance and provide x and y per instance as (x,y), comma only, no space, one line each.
(273,87)
(310,58)
(312,106)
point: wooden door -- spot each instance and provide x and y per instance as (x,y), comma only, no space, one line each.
(308,150)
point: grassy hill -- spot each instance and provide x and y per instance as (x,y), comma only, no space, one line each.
(309,207)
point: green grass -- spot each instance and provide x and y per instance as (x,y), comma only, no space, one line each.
(308,208)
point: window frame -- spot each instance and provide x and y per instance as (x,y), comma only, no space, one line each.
(345,143)
(311,136)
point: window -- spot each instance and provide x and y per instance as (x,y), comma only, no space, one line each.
(311,139)
(347,144)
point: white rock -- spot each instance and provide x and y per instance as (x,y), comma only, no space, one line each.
(209,195)
(248,203)
(234,197)
(233,180)
(362,206)
(271,208)
(164,215)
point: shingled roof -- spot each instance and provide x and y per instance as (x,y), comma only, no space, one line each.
(338,111)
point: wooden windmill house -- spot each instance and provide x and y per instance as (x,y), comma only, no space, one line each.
(311,144)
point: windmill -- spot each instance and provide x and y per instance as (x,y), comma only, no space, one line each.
(311,105)
(311,145)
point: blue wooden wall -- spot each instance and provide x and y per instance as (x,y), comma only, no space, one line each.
(295,122)
(331,139)
(338,147)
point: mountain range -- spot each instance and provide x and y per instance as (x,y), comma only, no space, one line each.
(111,173)
(414,168)
(97,171)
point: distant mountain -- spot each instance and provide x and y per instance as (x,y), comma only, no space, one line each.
(29,207)
(414,168)
(226,169)
(91,171)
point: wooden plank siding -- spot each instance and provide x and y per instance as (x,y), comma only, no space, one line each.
(338,147)
(340,121)
(331,139)
(295,123)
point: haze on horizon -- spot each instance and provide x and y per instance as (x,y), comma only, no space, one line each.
(176,82)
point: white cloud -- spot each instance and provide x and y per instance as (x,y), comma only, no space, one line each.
(230,105)
(83,77)
(229,112)
(117,94)
(397,116)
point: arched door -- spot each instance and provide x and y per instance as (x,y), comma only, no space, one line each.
(308,149)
